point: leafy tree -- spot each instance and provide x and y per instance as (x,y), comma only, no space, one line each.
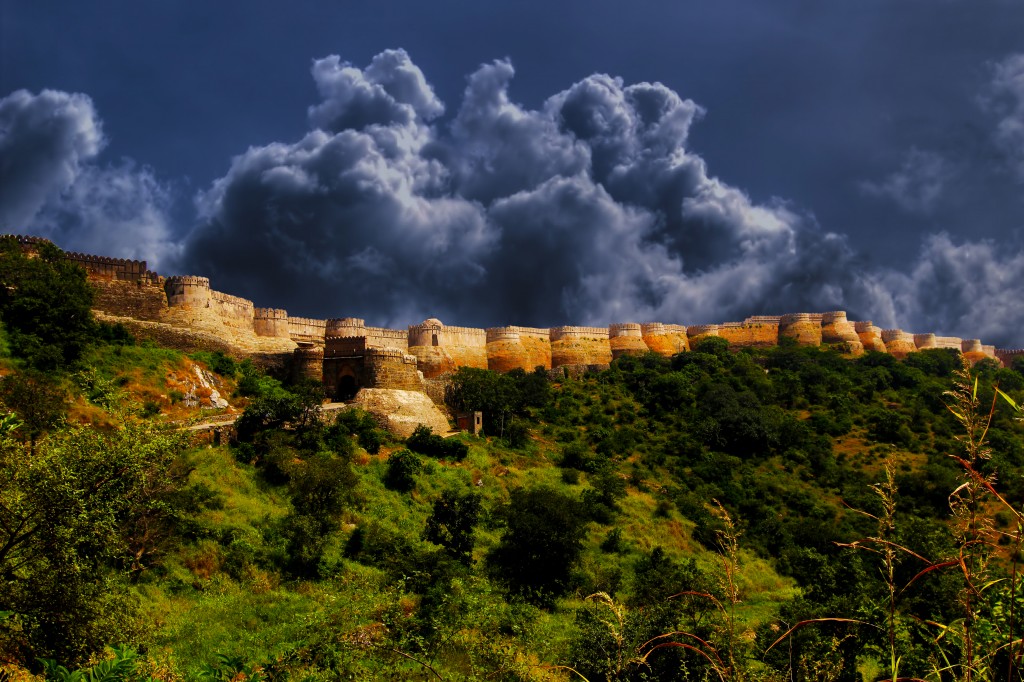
(426,442)
(45,306)
(451,523)
(39,401)
(86,507)
(542,542)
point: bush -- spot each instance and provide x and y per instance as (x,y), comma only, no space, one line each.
(401,472)
(425,442)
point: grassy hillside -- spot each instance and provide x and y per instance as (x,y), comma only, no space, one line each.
(723,479)
(780,514)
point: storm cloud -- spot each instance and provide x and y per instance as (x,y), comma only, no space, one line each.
(52,186)
(588,209)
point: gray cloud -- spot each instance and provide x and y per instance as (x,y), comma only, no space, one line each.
(51,185)
(1007,100)
(963,289)
(918,185)
(44,140)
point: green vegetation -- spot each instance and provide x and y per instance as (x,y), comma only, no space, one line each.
(780,514)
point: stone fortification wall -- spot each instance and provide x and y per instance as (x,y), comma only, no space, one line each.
(837,329)
(395,339)
(898,342)
(140,300)
(580,346)
(234,311)
(756,332)
(271,322)
(924,341)
(665,339)
(307,330)
(870,336)
(104,268)
(950,342)
(626,338)
(345,326)
(441,349)
(698,332)
(805,328)
(344,346)
(388,368)
(1007,356)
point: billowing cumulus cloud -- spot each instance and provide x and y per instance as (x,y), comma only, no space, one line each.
(588,209)
(44,141)
(966,289)
(52,186)
(591,208)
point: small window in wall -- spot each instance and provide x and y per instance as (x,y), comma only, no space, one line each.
(434,339)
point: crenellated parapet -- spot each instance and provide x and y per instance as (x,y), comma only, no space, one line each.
(395,339)
(307,330)
(1007,356)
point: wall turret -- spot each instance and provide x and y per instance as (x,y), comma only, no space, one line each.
(836,329)
(870,336)
(805,328)
(899,343)
(188,291)
(580,346)
(665,339)
(626,338)
(925,341)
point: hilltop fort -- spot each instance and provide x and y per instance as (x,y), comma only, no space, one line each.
(347,355)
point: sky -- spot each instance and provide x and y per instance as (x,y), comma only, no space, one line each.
(534,163)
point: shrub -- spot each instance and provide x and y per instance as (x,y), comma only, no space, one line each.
(425,442)
(401,472)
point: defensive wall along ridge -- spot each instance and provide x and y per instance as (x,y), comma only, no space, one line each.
(346,354)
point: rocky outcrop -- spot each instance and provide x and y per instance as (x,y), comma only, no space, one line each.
(400,412)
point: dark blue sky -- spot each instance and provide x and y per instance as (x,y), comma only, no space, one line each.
(867,155)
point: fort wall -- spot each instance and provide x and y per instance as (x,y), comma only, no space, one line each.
(388,368)
(128,289)
(272,322)
(307,330)
(580,346)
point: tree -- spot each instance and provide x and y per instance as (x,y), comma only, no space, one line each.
(542,542)
(84,509)
(401,472)
(38,401)
(451,524)
(45,306)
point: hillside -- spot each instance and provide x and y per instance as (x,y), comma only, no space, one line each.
(666,518)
